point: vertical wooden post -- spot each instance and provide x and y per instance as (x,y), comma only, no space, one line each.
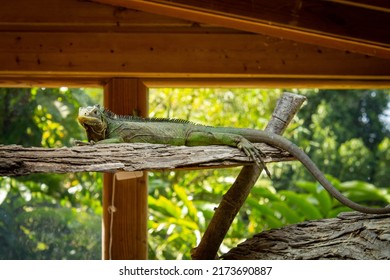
(129,232)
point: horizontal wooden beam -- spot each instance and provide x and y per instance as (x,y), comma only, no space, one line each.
(269,83)
(281,82)
(17,160)
(84,16)
(326,23)
(22,81)
(102,55)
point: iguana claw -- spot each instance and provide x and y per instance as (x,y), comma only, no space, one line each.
(255,154)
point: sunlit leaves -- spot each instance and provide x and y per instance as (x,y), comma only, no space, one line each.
(320,197)
(363,192)
(265,208)
(50,216)
(174,228)
(357,161)
(216,107)
(382,177)
(197,193)
(36,211)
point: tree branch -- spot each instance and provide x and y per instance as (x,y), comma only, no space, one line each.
(17,160)
(351,235)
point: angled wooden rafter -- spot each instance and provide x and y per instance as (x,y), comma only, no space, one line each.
(347,25)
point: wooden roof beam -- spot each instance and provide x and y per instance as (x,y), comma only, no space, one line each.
(94,55)
(277,82)
(347,25)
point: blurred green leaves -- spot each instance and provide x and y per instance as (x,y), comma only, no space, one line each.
(48,216)
(57,216)
(292,196)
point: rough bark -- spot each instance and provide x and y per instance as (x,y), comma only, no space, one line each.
(351,235)
(17,160)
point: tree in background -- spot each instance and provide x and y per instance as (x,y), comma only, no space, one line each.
(54,216)
(47,216)
(346,132)
(292,196)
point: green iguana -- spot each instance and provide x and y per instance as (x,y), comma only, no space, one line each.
(103,126)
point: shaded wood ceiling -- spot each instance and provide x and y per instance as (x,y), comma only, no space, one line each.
(357,25)
(173,42)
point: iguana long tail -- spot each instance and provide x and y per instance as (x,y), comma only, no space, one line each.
(258,136)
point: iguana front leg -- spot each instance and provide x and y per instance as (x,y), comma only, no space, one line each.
(200,138)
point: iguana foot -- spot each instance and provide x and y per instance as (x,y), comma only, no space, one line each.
(255,154)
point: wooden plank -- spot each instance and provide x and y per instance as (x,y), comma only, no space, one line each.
(77,15)
(178,55)
(128,237)
(16,160)
(324,23)
(70,82)
(268,83)
(84,16)
(23,81)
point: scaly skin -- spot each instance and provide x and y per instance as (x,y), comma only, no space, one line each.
(103,126)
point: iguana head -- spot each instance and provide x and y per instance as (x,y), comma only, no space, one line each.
(93,120)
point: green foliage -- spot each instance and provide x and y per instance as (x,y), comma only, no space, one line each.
(42,117)
(48,216)
(40,228)
(218,107)
(57,216)
(349,113)
(382,177)
(334,144)
(204,188)
(173,222)
(342,131)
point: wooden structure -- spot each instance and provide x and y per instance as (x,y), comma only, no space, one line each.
(127,46)
(164,43)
